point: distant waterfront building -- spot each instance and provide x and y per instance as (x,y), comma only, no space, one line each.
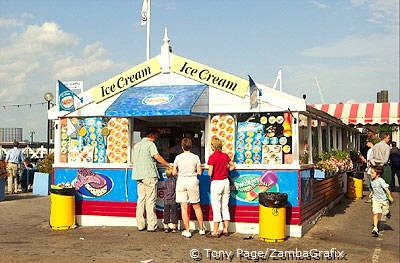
(10,134)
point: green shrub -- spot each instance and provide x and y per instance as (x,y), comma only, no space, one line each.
(45,165)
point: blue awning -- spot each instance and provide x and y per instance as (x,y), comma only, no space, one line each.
(156,101)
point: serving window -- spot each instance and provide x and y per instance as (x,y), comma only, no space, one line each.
(171,131)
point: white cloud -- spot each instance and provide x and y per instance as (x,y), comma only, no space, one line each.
(43,52)
(317,4)
(70,67)
(28,15)
(381,11)
(355,67)
(376,45)
(32,60)
(37,42)
(14,22)
(358,2)
(341,82)
(9,22)
(94,50)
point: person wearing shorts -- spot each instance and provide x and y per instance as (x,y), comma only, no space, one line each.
(380,195)
(186,168)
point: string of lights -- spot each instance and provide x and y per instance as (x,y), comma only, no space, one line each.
(6,106)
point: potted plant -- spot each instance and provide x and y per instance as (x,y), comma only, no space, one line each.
(331,163)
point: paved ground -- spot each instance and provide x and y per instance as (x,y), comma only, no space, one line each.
(26,237)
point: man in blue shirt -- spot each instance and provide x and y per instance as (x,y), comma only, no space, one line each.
(13,159)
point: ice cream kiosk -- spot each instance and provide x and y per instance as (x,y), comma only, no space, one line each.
(265,137)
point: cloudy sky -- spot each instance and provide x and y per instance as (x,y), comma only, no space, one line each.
(350,46)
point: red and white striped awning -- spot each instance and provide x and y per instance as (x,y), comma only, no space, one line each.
(363,113)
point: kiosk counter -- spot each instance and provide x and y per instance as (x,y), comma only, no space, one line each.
(177,96)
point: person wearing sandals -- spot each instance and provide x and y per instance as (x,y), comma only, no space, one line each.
(219,165)
(187,167)
(170,205)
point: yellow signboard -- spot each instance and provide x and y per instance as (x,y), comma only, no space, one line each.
(213,77)
(126,79)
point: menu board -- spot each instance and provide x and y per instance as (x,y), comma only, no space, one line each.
(222,126)
(117,140)
(277,140)
(272,154)
(248,143)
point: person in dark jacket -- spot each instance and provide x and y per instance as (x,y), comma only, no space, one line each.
(170,205)
(27,177)
(394,158)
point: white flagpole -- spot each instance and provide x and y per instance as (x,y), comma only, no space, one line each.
(148,28)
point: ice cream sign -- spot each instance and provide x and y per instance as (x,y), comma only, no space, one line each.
(210,76)
(248,187)
(127,79)
(157,99)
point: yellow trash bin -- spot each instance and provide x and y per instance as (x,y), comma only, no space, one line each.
(62,208)
(272,217)
(354,188)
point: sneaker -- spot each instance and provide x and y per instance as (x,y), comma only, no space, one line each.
(166,230)
(375,233)
(202,232)
(174,230)
(186,233)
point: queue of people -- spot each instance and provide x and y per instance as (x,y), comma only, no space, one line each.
(181,186)
(20,172)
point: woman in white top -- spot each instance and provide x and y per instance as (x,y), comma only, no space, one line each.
(187,167)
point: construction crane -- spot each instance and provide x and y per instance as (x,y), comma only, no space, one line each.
(320,91)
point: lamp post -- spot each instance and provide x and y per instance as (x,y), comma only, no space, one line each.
(32,132)
(48,96)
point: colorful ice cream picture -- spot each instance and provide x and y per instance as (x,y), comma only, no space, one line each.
(117,140)
(248,187)
(223,127)
(249,138)
(92,137)
(73,151)
(91,185)
(82,140)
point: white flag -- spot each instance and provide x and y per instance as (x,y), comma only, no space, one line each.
(145,9)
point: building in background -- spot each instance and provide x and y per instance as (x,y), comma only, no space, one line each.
(10,134)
